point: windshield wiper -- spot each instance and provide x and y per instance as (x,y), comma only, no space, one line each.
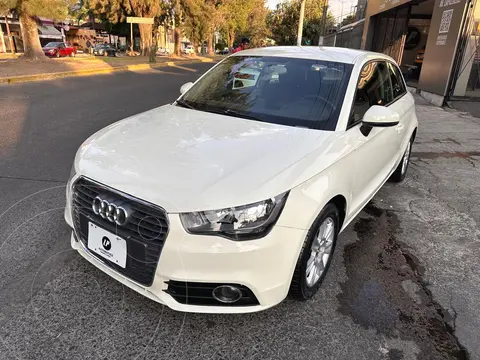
(184,104)
(232,112)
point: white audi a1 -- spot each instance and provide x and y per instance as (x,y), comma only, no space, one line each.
(232,197)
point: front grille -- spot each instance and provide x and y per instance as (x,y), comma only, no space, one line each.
(145,232)
(194,293)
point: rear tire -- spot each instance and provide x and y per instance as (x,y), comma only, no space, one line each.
(72,54)
(401,170)
(306,283)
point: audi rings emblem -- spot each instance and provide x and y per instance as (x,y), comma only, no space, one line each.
(116,212)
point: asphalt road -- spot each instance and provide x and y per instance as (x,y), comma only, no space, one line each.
(55,305)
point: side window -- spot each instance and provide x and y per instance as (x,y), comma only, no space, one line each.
(62,46)
(398,85)
(373,88)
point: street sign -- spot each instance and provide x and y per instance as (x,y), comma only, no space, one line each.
(139,20)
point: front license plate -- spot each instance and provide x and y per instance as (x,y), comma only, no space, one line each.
(107,245)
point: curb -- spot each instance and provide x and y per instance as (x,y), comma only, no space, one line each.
(88,72)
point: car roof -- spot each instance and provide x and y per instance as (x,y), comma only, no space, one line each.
(326,53)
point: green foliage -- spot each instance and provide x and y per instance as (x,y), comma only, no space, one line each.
(53,9)
(112,11)
(348,20)
(7,5)
(80,11)
(220,45)
(283,22)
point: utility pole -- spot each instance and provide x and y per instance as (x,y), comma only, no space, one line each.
(300,23)
(131,38)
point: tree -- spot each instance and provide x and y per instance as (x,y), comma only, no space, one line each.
(212,11)
(28,12)
(115,11)
(195,23)
(257,30)
(348,20)
(283,22)
(235,14)
(80,11)
(144,8)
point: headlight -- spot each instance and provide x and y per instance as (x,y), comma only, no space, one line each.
(237,223)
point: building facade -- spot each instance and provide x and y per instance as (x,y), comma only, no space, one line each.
(434,41)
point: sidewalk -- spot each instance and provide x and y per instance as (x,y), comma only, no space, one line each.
(21,70)
(438,211)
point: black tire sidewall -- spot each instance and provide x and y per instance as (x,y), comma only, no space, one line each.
(397,175)
(329,210)
(408,162)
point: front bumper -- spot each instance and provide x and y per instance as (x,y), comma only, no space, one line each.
(265,265)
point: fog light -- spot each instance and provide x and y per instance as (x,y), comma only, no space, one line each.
(227,294)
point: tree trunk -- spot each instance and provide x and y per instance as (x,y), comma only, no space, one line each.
(210,43)
(31,42)
(154,47)
(145,38)
(231,37)
(195,46)
(178,35)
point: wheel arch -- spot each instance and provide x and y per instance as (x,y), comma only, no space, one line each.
(414,134)
(340,203)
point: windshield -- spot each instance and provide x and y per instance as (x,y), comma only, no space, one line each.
(52,44)
(296,92)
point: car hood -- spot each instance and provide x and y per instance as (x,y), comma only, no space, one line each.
(187,160)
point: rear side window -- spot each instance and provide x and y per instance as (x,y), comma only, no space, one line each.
(373,88)
(398,85)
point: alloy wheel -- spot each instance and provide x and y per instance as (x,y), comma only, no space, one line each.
(320,251)
(406,158)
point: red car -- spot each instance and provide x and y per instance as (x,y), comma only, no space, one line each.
(58,49)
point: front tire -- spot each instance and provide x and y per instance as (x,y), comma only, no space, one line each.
(316,254)
(401,170)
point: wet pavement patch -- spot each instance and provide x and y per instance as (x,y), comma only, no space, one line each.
(385,290)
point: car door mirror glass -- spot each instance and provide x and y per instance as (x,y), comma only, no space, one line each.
(380,116)
(184,88)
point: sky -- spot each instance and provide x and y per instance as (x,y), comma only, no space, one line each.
(335,6)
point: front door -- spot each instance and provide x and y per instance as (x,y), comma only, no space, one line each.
(375,149)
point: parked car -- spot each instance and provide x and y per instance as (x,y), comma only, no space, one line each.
(222,51)
(188,50)
(104,50)
(162,51)
(58,49)
(229,199)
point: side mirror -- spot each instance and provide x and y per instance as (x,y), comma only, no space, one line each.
(380,116)
(184,88)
